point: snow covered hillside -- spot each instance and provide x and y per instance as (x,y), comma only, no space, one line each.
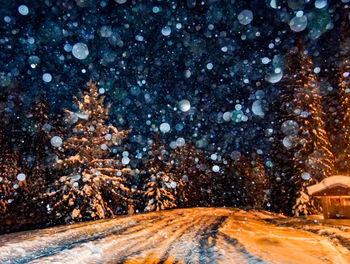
(199,235)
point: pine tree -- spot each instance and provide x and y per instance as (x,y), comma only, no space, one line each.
(256,183)
(38,148)
(12,191)
(8,172)
(234,182)
(344,92)
(4,187)
(14,129)
(313,155)
(190,171)
(158,155)
(283,145)
(160,187)
(220,186)
(159,191)
(92,185)
(219,181)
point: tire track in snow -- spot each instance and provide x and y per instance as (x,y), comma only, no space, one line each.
(161,247)
(112,244)
(208,241)
(62,240)
(196,235)
(246,255)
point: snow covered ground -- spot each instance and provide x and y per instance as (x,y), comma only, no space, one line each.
(199,235)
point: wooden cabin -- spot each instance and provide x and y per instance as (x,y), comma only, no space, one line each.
(334,193)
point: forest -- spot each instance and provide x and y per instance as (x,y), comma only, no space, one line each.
(76,165)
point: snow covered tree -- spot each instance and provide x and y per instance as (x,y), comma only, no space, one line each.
(13,187)
(301,150)
(8,173)
(92,185)
(158,155)
(313,158)
(344,92)
(159,191)
(5,189)
(159,187)
(15,199)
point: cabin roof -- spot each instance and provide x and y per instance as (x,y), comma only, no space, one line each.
(338,181)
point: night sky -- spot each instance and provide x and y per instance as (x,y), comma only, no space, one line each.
(206,72)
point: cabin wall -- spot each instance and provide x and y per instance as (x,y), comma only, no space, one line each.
(336,207)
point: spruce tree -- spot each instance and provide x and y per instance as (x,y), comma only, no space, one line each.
(344,92)
(190,170)
(92,185)
(38,148)
(256,183)
(284,141)
(313,158)
(8,172)
(159,187)
(220,186)
(234,182)
(12,191)
(159,192)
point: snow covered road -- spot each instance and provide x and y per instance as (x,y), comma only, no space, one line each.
(198,235)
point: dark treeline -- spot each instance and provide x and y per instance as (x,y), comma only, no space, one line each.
(64,168)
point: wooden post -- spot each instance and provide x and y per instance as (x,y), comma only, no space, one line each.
(325,206)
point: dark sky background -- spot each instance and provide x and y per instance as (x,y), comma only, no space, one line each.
(225,57)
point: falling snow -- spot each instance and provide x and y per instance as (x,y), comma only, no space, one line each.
(80,51)
(184,105)
(47,77)
(56,141)
(23,10)
(166,31)
(164,127)
(21,177)
(245,17)
(211,103)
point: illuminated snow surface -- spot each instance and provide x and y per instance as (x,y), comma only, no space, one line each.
(200,235)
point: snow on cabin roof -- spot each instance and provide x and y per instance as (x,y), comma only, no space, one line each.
(328,183)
